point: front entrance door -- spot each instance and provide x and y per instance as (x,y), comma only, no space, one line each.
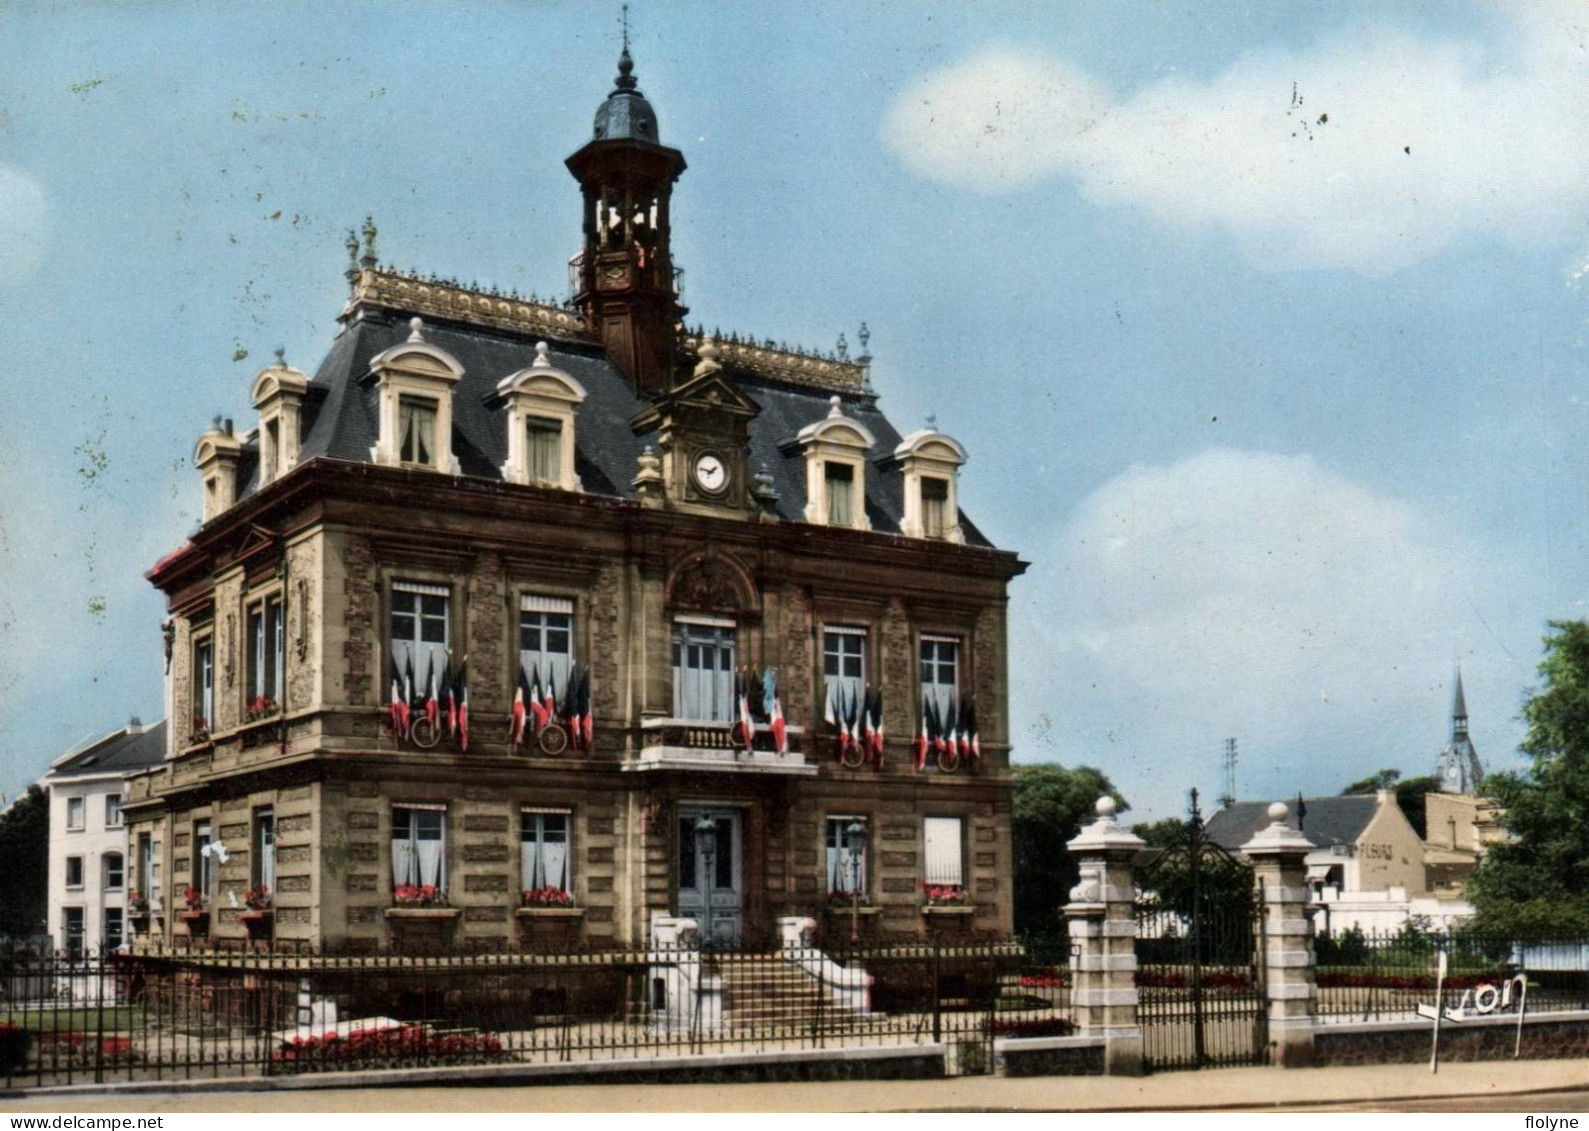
(711,889)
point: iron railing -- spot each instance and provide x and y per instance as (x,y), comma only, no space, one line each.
(1387,976)
(192,1013)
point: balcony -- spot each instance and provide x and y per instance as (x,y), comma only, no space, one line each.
(677,744)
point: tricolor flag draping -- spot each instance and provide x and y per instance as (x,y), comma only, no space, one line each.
(449,699)
(549,695)
(397,706)
(461,684)
(516,715)
(852,722)
(922,741)
(969,723)
(534,701)
(747,728)
(864,724)
(432,701)
(951,727)
(875,708)
(584,720)
(413,699)
(769,694)
(935,726)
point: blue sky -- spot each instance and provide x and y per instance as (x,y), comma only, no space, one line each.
(1264,324)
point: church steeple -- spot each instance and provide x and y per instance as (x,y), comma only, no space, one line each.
(1459,713)
(624,279)
(1458,769)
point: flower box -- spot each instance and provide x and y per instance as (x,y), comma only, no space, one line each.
(550,928)
(949,910)
(257,923)
(422,928)
(196,922)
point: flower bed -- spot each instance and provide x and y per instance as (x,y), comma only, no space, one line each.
(1210,980)
(1047,978)
(1031,1027)
(1327,979)
(548,897)
(81,1050)
(405,1043)
(418,895)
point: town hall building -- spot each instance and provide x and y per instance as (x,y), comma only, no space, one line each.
(527,624)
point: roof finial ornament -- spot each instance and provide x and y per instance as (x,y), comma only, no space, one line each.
(542,361)
(369,259)
(708,353)
(416,329)
(833,406)
(843,348)
(626,80)
(281,357)
(865,338)
(932,422)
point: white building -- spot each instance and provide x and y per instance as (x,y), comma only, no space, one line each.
(89,858)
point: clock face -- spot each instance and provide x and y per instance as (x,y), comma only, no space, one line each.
(710,473)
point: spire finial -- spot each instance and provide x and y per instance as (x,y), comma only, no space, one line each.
(626,79)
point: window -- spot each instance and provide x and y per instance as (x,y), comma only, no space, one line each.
(269,445)
(416,430)
(940,662)
(114,868)
(934,507)
(75,807)
(113,810)
(545,450)
(840,480)
(703,673)
(74,871)
(843,665)
(419,847)
(543,840)
(846,843)
(114,932)
(420,629)
(942,837)
(264,854)
(266,650)
(546,640)
(203,684)
(148,870)
(72,927)
(203,872)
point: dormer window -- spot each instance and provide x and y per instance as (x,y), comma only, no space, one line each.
(839,479)
(543,404)
(545,450)
(415,380)
(278,394)
(217,456)
(930,462)
(835,456)
(416,429)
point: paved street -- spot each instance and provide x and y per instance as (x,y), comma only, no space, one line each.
(1535,1086)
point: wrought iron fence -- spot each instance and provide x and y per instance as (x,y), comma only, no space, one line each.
(179,1015)
(1387,976)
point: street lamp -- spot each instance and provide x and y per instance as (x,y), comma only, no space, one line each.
(855,843)
(706,844)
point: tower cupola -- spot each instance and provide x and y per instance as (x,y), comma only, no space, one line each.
(624,279)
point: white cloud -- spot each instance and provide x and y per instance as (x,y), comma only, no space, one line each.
(24,225)
(1250,594)
(1369,152)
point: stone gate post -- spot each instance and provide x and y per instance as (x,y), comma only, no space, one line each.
(1103,934)
(1277,854)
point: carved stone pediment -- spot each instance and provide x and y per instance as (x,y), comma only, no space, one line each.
(711,583)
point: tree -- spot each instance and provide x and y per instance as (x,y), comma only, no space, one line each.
(1051,805)
(25,848)
(1409,794)
(1537,882)
(1161,833)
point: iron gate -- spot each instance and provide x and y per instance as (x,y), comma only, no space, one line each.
(1200,986)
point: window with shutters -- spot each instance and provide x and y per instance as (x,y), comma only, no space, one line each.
(421,630)
(943,852)
(546,641)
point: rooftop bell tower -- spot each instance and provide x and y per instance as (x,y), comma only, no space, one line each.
(624,280)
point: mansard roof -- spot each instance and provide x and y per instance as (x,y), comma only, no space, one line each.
(792,391)
(126,750)
(1327,821)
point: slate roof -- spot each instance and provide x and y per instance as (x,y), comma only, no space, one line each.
(121,751)
(340,417)
(1328,820)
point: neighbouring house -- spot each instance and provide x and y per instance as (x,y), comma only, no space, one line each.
(1367,869)
(92,902)
(707,636)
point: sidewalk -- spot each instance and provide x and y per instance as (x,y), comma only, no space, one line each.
(1264,1088)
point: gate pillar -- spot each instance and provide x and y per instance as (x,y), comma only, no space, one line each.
(1102,925)
(1277,854)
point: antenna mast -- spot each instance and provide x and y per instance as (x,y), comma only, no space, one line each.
(1228,798)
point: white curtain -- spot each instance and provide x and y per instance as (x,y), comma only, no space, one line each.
(942,835)
(404,860)
(554,858)
(429,852)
